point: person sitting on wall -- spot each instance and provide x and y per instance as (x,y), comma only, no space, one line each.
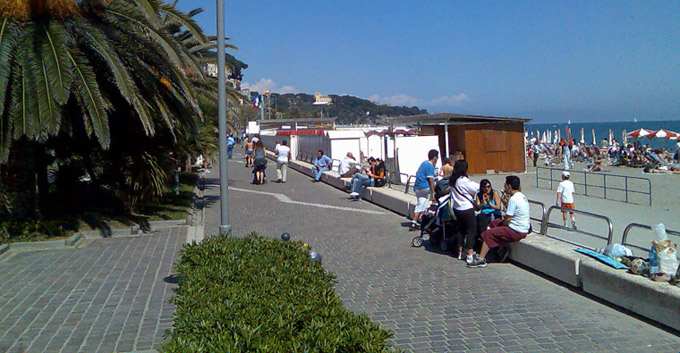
(348,166)
(373,176)
(322,164)
(363,170)
(514,227)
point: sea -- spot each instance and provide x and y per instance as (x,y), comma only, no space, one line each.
(602,131)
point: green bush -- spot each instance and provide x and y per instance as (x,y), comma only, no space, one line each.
(261,295)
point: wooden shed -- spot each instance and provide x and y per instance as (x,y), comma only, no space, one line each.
(488,143)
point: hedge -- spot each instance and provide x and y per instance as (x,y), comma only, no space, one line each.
(256,294)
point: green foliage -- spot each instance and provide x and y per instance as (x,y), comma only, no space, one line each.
(348,109)
(260,295)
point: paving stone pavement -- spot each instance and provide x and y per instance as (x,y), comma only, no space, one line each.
(109,296)
(430,300)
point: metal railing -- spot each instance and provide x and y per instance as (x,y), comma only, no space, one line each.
(408,181)
(543,211)
(624,239)
(546,224)
(595,176)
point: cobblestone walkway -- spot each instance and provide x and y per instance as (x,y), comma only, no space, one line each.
(109,296)
(430,300)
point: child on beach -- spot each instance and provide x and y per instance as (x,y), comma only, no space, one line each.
(565,198)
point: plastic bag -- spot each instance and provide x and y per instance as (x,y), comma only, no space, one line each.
(615,251)
(667,257)
(660,232)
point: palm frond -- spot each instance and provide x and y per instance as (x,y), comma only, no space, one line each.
(123,79)
(174,17)
(168,45)
(59,73)
(90,97)
(8,38)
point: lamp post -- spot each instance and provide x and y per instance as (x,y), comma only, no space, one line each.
(225,227)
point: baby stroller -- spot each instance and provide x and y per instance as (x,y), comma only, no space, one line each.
(439,223)
(260,166)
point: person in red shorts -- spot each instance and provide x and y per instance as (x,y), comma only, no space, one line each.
(565,198)
(513,227)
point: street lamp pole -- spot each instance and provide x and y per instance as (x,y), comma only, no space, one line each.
(225,227)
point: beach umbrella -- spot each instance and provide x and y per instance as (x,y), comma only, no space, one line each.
(624,137)
(675,136)
(662,134)
(583,138)
(594,140)
(639,133)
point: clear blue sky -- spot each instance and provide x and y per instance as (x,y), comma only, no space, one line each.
(550,61)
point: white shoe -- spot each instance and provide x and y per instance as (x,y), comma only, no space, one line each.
(470,259)
(353,194)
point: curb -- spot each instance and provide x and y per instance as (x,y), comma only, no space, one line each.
(4,248)
(72,240)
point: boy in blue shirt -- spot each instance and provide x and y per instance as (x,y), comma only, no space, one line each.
(424,185)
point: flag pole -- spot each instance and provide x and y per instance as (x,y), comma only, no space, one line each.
(225,227)
(262,107)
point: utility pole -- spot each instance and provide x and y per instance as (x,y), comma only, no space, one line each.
(225,227)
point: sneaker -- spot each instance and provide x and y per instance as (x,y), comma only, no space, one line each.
(460,256)
(573,224)
(471,258)
(414,225)
(354,194)
(477,263)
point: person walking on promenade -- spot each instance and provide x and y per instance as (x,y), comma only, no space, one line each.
(283,156)
(566,153)
(249,152)
(321,164)
(536,148)
(424,186)
(230,146)
(514,227)
(463,192)
(565,198)
(260,163)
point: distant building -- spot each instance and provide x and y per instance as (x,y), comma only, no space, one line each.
(322,100)
(210,70)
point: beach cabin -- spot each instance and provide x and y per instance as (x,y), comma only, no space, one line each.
(488,143)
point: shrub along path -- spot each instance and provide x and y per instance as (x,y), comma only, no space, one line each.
(431,301)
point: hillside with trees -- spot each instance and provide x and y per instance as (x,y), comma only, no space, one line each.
(348,109)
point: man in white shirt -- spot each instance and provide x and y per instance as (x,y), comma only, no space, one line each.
(565,198)
(283,156)
(514,227)
(347,167)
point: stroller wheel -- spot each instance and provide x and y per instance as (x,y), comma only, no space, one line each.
(444,246)
(417,242)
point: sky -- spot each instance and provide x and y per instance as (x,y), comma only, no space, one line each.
(550,61)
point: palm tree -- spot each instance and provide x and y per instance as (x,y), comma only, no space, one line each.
(66,63)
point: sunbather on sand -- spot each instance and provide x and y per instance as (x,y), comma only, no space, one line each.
(673,170)
(597,167)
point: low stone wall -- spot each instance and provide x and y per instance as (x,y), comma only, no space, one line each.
(655,300)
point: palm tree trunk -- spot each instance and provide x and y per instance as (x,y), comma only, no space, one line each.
(20,179)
